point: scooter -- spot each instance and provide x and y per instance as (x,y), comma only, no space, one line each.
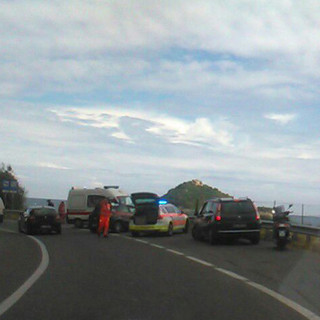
(281,226)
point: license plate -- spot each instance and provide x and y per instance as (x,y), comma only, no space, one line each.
(239,225)
(282,233)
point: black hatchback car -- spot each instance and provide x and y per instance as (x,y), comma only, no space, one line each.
(39,219)
(227,218)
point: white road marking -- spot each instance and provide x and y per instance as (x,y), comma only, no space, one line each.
(205,263)
(282,299)
(231,274)
(13,298)
(175,252)
(291,304)
(156,246)
(142,241)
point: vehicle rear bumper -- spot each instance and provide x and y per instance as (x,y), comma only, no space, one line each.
(148,228)
(251,231)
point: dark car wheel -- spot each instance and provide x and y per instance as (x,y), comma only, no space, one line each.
(19,227)
(170,230)
(117,227)
(255,239)
(194,233)
(186,227)
(78,223)
(212,237)
(29,229)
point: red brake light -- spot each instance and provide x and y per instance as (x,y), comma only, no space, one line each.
(160,217)
(218,214)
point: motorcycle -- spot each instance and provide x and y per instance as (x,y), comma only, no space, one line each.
(281,226)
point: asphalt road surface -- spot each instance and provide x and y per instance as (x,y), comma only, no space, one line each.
(153,278)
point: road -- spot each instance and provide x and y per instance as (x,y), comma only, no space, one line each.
(154,278)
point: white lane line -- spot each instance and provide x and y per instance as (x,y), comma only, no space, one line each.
(142,241)
(175,252)
(11,300)
(231,274)
(282,299)
(291,304)
(205,263)
(156,246)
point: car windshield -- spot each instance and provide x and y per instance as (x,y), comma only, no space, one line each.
(125,200)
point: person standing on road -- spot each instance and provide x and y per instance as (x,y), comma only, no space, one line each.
(104,220)
(62,210)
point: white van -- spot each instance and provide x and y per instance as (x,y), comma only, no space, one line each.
(1,210)
(82,201)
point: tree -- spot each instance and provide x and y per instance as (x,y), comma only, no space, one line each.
(16,200)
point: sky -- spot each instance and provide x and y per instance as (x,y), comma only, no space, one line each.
(147,95)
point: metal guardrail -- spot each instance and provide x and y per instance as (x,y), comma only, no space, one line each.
(297,228)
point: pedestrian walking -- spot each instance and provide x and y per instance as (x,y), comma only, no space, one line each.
(104,220)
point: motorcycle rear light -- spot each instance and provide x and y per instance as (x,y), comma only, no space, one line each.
(218,218)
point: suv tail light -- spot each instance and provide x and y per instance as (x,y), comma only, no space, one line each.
(218,214)
(257,212)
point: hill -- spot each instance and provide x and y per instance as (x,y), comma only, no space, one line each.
(192,194)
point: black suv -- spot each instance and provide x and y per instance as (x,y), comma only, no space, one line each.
(227,218)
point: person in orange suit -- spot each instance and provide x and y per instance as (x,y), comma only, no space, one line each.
(104,220)
(62,211)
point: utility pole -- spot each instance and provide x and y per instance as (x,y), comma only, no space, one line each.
(302,213)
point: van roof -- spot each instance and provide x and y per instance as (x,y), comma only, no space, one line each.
(109,192)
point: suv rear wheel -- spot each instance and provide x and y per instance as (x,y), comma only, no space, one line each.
(255,239)
(212,237)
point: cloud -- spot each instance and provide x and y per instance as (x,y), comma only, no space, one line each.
(175,130)
(281,118)
(52,166)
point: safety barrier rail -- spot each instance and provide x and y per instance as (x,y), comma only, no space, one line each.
(297,228)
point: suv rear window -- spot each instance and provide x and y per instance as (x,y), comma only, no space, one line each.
(234,208)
